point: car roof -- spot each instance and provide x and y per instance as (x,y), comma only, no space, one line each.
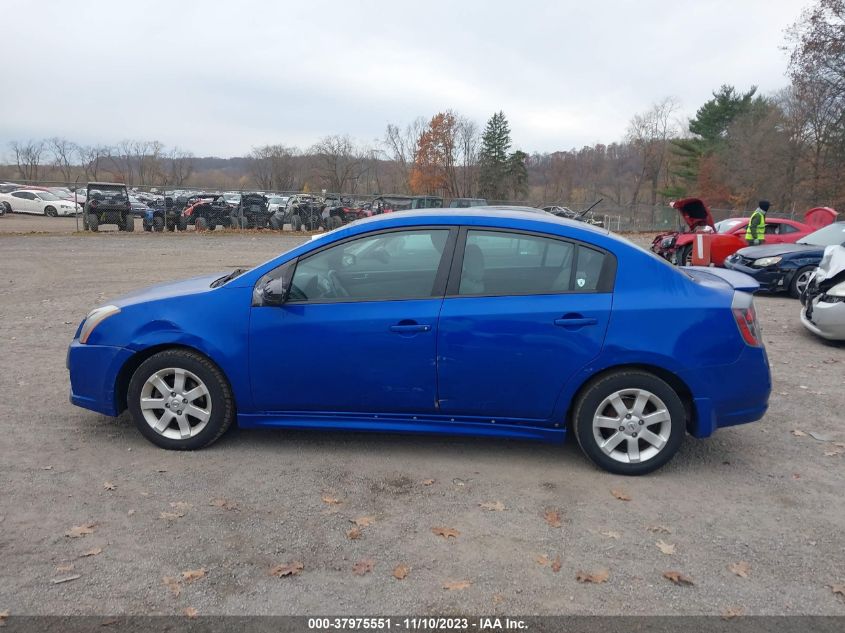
(499,212)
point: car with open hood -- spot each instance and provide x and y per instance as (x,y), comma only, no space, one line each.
(823,313)
(491,322)
(787,267)
(696,215)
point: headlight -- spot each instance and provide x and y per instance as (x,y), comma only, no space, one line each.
(667,242)
(765,261)
(94,318)
(837,291)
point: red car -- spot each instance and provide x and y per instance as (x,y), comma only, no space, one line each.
(729,234)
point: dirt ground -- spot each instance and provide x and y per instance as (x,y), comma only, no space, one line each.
(769,494)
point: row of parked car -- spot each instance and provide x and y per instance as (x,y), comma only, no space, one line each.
(804,259)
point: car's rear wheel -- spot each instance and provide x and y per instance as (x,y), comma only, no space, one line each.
(180,400)
(629,422)
(7,207)
(800,281)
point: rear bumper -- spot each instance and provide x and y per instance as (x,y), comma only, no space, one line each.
(93,373)
(727,395)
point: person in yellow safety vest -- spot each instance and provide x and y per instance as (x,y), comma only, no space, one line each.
(756,232)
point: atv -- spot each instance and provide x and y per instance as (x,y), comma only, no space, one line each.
(252,212)
(107,203)
(208,212)
(162,214)
(302,212)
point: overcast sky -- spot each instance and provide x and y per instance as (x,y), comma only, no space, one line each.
(218,77)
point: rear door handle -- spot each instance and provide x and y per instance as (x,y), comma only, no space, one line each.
(575,321)
(405,328)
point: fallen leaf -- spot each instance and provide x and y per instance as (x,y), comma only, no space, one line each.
(109,486)
(596,577)
(224,503)
(541,560)
(446,532)
(194,574)
(732,612)
(400,572)
(742,568)
(666,548)
(620,495)
(799,433)
(58,581)
(819,436)
(659,529)
(68,567)
(364,521)
(129,513)
(78,531)
(181,505)
(330,500)
(678,578)
(173,584)
(493,506)
(363,566)
(840,589)
(552,517)
(91,552)
(191,612)
(427,482)
(287,569)
(556,564)
(611,534)
(457,585)
(796,475)
(354,533)
(171,516)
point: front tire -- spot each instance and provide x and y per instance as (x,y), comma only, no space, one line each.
(158,224)
(800,280)
(180,400)
(129,223)
(51,212)
(296,223)
(629,422)
(93,222)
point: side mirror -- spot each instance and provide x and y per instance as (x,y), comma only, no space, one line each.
(273,293)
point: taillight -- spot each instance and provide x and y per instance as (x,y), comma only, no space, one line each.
(746,321)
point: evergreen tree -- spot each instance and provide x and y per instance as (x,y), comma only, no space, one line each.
(709,126)
(493,158)
(518,174)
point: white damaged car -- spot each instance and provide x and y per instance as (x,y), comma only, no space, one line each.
(824,299)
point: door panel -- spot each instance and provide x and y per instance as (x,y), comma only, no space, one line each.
(506,357)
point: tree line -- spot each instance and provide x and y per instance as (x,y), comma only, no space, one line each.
(739,146)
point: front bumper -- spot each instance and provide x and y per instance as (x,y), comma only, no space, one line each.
(828,320)
(771,279)
(93,375)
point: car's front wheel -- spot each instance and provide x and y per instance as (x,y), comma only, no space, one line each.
(629,422)
(800,281)
(180,400)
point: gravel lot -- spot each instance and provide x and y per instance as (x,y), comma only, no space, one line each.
(757,493)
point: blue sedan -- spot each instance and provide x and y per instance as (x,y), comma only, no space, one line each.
(482,322)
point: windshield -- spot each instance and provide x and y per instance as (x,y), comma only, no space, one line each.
(726,226)
(232,197)
(46,195)
(276,200)
(831,235)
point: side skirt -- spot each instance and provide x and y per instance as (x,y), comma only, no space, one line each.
(396,423)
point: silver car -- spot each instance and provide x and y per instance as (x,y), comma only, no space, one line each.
(824,299)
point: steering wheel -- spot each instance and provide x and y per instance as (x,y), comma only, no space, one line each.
(330,286)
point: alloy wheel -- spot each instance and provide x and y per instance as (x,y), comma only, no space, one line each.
(632,426)
(175,403)
(803,281)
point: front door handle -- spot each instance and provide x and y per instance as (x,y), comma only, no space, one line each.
(407,328)
(575,321)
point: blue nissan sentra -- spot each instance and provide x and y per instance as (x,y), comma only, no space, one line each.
(485,321)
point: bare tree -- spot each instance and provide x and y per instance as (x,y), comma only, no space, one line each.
(273,167)
(649,133)
(339,163)
(63,151)
(92,159)
(400,147)
(28,158)
(181,167)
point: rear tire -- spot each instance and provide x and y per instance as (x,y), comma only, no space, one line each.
(629,438)
(335,222)
(129,223)
(296,223)
(93,222)
(7,207)
(185,431)
(158,224)
(201,224)
(800,280)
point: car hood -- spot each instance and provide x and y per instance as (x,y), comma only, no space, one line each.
(773,250)
(832,263)
(194,285)
(694,212)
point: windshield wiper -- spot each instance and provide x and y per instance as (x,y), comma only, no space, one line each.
(235,273)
